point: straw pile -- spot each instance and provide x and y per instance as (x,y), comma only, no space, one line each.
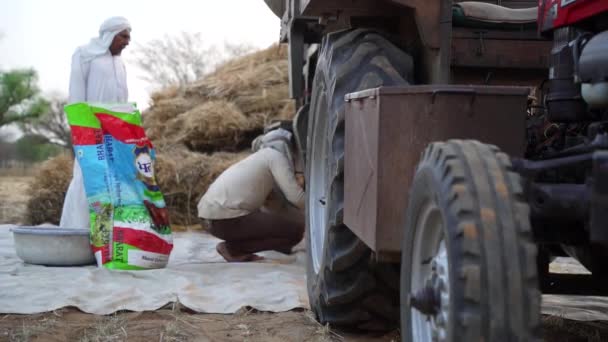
(48,189)
(198,131)
(213,125)
(225,110)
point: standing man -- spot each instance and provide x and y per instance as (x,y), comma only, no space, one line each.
(233,204)
(98,76)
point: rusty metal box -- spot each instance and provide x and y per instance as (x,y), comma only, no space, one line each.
(388,128)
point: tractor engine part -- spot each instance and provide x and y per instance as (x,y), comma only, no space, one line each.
(564,101)
(593,71)
(599,198)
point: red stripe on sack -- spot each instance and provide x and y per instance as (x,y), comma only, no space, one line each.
(105,253)
(143,240)
(123,131)
(86,135)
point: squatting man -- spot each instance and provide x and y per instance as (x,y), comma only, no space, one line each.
(237,206)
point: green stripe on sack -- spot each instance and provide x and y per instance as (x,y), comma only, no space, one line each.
(120,257)
(114,265)
(80,114)
(155,196)
(133,118)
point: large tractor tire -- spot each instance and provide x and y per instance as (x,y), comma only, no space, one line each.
(346,287)
(468,269)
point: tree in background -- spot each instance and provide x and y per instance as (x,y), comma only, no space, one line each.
(233,50)
(7,135)
(52,124)
(29,148)
(35,148)
(19,96)
(181,59)
(8,151)
(173,60)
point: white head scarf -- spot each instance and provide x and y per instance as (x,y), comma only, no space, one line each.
(278,139)
(100,45)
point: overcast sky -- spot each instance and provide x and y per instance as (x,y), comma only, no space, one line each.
(44,33)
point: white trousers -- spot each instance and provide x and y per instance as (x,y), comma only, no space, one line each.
(75,212)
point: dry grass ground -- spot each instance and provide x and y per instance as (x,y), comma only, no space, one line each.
(557,329)
(172,326)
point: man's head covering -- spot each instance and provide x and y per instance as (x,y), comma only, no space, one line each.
(100,45)
(278,139)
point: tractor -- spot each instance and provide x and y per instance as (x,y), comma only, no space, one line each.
(453,149)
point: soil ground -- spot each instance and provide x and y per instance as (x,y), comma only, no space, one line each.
(175,324)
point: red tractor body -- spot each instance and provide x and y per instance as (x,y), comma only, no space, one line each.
(553,14)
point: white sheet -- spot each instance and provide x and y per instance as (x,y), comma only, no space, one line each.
(197,277)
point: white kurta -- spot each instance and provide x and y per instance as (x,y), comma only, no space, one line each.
(244,187)
(102,80)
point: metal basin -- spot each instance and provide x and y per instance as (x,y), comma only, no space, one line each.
(53,246)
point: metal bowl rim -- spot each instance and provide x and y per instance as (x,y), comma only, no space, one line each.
(49,231)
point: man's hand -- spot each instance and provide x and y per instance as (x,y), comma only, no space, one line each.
(301,180)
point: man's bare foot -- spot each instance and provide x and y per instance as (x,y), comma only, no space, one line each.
(247,257)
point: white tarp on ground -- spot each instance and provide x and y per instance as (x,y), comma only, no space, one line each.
(197,277)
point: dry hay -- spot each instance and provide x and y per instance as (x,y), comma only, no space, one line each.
(163,110)
(256,83)
(48,189)
(253,72)
(166,93)
(213,125)
(184,177)
(226,109)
